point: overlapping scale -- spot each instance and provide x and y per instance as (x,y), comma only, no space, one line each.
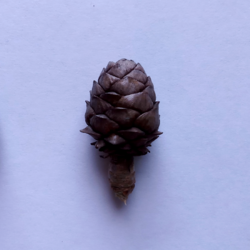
(122,67)
(106,80)
(150,91)
(115,139)
(149,121)
(139,67)
(139,142)
(153,136)
(149,82)
(103,125)
(140,101)
(111,97)
(99,105)
(100,144)
(89,130)
(131,134)
(89,113)
(103,71)
(126,147)
(127,86)
(97,89)
(138,75)
(109,66)
(123,116)
(142,150)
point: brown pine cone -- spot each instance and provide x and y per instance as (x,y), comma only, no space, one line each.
(123,116)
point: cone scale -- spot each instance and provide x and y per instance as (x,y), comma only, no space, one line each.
(123,117)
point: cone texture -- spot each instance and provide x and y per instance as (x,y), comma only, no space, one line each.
(123,114)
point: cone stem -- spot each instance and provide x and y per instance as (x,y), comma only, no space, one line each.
(122,175)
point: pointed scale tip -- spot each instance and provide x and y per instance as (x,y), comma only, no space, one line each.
(125,202)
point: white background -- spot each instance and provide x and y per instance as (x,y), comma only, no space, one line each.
(192,190)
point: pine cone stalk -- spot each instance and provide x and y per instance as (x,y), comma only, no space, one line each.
(122,175)
(123,117)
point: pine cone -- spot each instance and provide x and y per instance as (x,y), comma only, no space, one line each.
(123,116)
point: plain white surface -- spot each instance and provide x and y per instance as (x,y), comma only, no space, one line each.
(192,190)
